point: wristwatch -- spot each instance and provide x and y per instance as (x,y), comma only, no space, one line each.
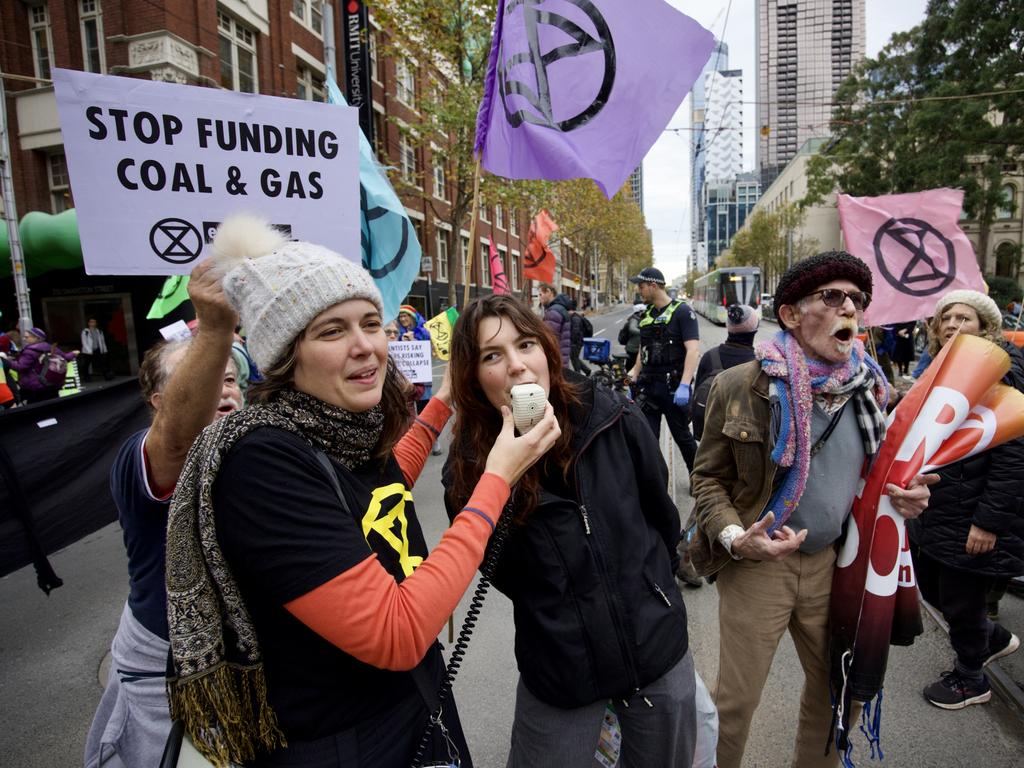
(727,536)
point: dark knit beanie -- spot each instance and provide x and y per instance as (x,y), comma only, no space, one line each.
(807,275)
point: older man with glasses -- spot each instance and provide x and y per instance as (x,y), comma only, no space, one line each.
(785,437)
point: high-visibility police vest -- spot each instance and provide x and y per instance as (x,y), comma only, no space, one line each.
(660,340)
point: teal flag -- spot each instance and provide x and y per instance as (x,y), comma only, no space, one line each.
(174,292)
(391,252)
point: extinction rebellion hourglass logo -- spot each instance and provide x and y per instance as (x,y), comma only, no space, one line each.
(554,34)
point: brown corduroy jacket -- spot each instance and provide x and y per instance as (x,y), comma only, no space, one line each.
(733,473)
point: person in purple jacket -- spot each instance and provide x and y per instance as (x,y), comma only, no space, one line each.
(32,363)
(556,317)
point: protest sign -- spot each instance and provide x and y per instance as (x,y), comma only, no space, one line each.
(176,331)
(156,166)
(413,360)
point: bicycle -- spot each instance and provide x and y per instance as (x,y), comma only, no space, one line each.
(611,369)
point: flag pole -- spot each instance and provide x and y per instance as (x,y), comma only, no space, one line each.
(472,232)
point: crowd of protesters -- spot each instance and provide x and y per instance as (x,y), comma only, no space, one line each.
(276,557)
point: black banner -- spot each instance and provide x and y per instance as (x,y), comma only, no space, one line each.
(355,36)
(55,459)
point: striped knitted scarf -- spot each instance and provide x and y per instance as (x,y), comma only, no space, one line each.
(795,381)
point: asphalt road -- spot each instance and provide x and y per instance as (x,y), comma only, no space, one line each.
(51,650)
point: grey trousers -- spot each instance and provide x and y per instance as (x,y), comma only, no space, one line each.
(131,724)
(663,734)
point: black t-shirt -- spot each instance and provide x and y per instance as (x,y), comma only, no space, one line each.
(681,327)
(283,532)
(144,522)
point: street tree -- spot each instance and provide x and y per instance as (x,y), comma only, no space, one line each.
(446,43)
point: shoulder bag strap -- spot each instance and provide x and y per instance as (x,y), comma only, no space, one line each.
(426,686)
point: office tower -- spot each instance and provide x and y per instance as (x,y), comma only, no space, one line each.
(726,204)
(718,61)
(805,49)
(635,187)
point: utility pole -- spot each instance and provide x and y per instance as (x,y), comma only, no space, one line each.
(330,54)
(11,219)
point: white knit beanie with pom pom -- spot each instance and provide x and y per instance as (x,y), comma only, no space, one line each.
(278,285)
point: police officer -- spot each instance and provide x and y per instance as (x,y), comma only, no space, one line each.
(669,349)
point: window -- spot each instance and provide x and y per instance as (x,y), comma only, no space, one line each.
(483,213)
(1008,203)
(237,55)
(310,85)
(1007,259)
(408,156)
(308,12)
(485,265)
(405,88)
(441,270)
(514,277)
(39,28)
(463,255)
(57,171)
(440,179)
(513,222)
(499,216)
(91,16)
(371,44)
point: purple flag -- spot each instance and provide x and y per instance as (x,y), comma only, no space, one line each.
(583,88)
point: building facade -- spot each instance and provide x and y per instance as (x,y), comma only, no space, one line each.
(1002,257)
(805,49)
(635,186)
(719,60)
(726,206)
(273,47)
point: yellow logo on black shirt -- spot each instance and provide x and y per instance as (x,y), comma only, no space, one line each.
(383,523)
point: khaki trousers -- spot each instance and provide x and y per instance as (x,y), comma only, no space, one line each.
(757,602)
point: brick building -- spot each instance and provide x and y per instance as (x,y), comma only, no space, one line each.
(273,47)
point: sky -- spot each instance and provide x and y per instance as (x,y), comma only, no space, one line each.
(667,165)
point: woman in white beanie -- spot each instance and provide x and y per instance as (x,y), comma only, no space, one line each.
(973,530)
(302,605)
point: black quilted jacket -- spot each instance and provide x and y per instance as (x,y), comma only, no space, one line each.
(986,490)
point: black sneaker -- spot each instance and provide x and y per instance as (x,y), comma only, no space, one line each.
(1011,644)
(953,692)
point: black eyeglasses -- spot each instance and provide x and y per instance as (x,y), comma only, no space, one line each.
(834,297)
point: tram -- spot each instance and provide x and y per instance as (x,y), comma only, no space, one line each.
(715,291)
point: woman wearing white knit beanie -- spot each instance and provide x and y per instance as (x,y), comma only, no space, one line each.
(302,604)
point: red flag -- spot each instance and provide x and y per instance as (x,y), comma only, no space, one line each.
(499,283)
(915,249)
(539,262)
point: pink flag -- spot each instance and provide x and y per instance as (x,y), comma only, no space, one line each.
(915,249)
(499,283)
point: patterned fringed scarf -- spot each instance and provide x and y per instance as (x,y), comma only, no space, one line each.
(795,382)
(218,688)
